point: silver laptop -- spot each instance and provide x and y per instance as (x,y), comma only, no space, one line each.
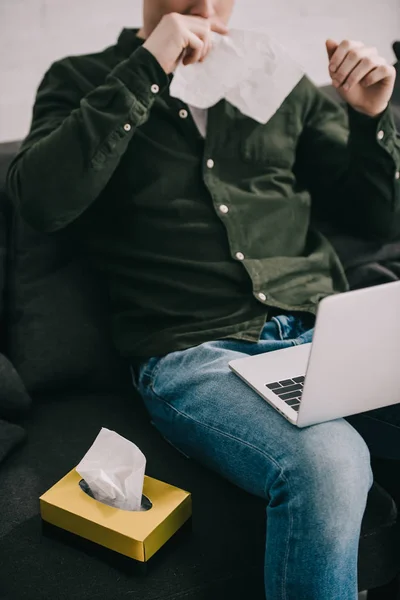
(351,366)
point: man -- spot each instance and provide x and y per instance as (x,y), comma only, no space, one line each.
(200,221)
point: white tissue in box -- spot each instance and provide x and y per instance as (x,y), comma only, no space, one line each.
(113,468)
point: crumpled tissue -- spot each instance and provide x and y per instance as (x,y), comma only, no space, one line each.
(248,68)
(113,468)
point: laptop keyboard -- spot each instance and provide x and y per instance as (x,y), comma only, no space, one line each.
(289,390)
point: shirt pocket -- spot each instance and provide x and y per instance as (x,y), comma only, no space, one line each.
(273,143)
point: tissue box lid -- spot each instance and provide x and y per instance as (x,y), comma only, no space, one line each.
(135,534)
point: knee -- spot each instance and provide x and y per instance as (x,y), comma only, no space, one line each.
(330,471)
(336,453)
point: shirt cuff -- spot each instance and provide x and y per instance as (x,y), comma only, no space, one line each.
(368,132)
(143,76)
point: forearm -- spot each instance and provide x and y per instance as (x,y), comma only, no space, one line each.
(67,159)
(349,167)
(367,193)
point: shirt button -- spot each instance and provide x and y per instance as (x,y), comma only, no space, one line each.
(262,296)
(397,175)
(381,134)
(223,208)
(127,127)
(239,256)
(210,163)
(154,88)
(183,113)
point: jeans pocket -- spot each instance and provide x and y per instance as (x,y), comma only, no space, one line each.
(284,326)
(294,328)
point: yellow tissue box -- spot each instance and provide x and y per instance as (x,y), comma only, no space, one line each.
(136,534)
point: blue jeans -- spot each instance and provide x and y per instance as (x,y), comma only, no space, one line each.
(315,480)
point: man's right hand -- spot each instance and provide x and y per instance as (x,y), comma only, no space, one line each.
(177,35)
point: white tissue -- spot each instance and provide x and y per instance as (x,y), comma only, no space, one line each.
(113,468)
(250,69)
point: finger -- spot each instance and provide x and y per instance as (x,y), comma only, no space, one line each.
(205,37)
(381,72)
(202,30)
(365,66)
(331,46)
(219,27)
(195,49)
(341,52)
(200,27)
(207,48)
(188,56)
(353,58)
(192,56)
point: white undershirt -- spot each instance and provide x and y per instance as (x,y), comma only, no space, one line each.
(200,117)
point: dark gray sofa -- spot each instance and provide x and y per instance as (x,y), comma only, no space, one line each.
(61,381)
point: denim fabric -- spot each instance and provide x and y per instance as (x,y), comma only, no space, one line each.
(315,480)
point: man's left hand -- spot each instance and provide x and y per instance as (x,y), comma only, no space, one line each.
(364,79)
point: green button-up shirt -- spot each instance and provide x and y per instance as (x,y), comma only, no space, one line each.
(199,238)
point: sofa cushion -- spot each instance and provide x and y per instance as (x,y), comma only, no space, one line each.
(56,308)
(7,151)
(14,399)
(58,323)
(58,336)
(14,403)
(10,436)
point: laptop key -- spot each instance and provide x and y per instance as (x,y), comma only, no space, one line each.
(286,389)
(289,396)
(298,379)
(287,382)
(293,402)
(296,407)
(273,386)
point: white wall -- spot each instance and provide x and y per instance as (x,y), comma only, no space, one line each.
(33,33)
